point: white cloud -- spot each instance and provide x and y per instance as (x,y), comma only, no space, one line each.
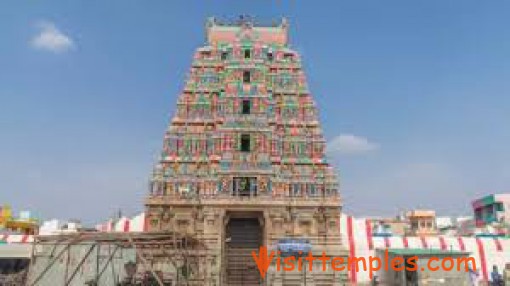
(50,38)
(351,144)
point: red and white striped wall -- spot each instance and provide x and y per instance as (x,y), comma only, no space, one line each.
(357,236)
(124,224)
(16,238)
(135,224)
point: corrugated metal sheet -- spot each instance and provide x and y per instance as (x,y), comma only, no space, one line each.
(79,262)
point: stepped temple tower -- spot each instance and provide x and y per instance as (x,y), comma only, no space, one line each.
(243,162)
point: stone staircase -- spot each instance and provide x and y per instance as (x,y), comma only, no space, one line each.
(244,237)
(241,268)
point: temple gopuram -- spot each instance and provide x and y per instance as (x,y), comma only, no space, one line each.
(243,162)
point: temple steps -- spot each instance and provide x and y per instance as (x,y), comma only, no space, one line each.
(241,268)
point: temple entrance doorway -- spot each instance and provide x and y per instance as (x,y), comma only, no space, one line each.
(244,233)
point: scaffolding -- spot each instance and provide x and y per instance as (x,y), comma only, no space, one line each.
(116,259)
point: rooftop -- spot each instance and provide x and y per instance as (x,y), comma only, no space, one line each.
(421,213)
(245,27)
(491,199)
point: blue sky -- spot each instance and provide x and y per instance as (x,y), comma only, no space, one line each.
(414,97)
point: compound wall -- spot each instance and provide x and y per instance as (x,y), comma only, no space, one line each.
(357,234)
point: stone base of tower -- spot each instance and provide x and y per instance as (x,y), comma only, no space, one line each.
(232,228)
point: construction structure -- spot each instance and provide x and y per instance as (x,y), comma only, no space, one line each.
(116,259)
(14,260)
(243,162)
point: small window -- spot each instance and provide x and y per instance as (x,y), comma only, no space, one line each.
(270,57)
(224,56)
(246,107)
(247,54)
(296,190)
(206,55)
(499,207)
(245,143)
(246,77)
(313,191)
